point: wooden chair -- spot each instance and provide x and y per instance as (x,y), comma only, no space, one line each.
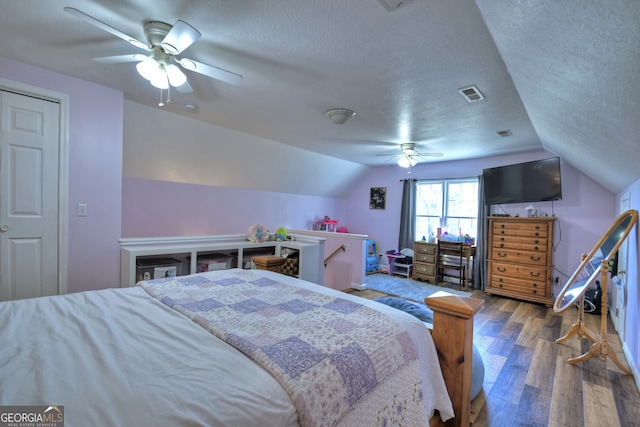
(451,262)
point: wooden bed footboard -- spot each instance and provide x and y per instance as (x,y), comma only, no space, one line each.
(453,336)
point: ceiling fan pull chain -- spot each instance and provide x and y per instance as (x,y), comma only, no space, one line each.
(161,104)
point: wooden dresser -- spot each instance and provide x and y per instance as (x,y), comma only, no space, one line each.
(520,258)
(424,261)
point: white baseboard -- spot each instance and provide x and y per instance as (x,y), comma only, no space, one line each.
(359,287)
(632,364)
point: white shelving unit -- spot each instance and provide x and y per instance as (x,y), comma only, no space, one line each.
(188,249)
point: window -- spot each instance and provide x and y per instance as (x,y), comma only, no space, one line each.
(451,204)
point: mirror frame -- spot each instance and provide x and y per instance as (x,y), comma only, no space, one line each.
(587,271)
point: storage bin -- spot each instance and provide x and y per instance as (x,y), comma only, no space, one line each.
(213,262)
(291,267)
(268,262)
(157,268)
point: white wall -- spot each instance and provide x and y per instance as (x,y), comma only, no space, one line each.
(163,146)
(632,320)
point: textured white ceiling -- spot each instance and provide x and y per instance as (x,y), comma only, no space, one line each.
(558,75)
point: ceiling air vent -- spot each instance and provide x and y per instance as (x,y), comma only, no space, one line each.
(504,133)
(391,5)
(471,93)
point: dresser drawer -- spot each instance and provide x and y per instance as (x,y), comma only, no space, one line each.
(516,242)
(424,269)
(521,286)
(519,271)
(424,257)
(519,256)
(519,229)
(424,248)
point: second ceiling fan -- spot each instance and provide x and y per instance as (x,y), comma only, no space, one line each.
(409,156)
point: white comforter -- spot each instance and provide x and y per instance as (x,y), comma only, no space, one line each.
(118,357)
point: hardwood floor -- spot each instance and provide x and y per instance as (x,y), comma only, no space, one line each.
(528,381)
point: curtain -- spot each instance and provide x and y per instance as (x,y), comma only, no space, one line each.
(407,215)
(480,260)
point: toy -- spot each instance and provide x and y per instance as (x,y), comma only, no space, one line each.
(281,233)
(257,233)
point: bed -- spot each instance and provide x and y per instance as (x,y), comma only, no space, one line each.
(234,347)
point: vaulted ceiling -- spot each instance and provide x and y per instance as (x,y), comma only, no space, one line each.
(562,76)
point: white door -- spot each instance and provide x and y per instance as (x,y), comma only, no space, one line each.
(619,291)
(29,144)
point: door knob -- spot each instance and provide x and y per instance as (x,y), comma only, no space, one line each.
(619,271)
(4,228)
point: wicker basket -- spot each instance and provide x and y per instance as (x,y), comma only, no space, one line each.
(290,267)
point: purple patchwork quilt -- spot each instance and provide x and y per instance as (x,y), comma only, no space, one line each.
(330,354)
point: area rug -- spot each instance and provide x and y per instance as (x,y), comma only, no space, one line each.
(408,289)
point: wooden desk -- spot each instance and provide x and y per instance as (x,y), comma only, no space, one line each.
(425,260)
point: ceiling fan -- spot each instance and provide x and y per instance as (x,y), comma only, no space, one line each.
(409,156)
(165,43)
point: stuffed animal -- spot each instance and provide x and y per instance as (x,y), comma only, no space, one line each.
(257,233)
(281,233)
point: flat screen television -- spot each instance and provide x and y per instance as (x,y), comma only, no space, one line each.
(535,181)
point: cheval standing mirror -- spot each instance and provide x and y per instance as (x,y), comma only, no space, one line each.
(596,262)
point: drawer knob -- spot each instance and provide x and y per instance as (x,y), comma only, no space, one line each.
(502,245)
(501,270)
(534,274)
(535,285)
(536,241)
(537,227)
(502,225)
(501,254)
(535,291)
(535,258)
(536,234)
(500,285)
(535,248)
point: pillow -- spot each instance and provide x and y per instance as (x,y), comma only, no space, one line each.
(425,314)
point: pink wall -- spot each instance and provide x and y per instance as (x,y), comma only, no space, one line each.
(346,269)
(160,208)
(95,173)
(584,213)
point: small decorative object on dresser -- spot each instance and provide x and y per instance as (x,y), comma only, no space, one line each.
(520,258)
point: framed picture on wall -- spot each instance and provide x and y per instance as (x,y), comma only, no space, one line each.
(378,197)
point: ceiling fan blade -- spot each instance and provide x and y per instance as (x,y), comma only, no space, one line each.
(185,88)
(395,154)
(180,37)
(428,154)
(213,72)
(93,21)
(120,58)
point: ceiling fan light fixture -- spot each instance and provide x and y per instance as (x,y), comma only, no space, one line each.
(160,81)
(339,116)
(149,68)
(404,162)
(176,77)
